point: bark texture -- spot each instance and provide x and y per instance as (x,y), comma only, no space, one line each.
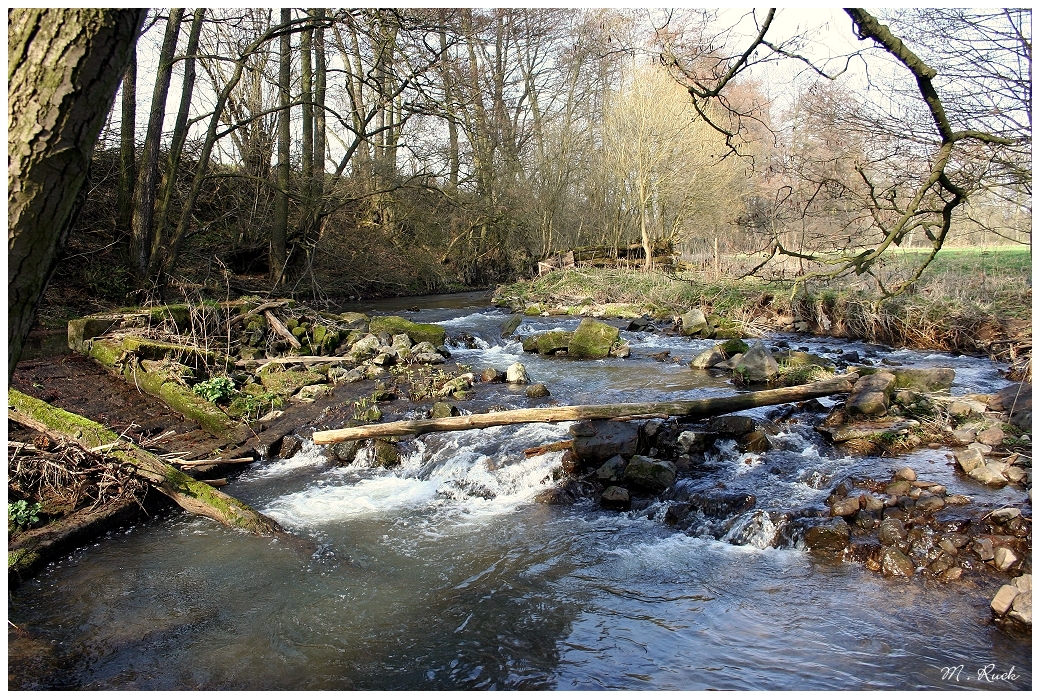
(64,67)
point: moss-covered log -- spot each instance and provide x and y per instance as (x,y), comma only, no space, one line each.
(704,407)
(190,494)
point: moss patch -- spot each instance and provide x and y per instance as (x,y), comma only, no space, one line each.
(286,383)
(418,332)
(592,340)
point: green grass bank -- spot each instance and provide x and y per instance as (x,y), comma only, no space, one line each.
(971,301)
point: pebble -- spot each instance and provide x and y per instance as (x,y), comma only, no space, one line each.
(1004,558)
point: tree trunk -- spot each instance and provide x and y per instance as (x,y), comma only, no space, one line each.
(320,75)
(159,259)
(306,97)
(144,204)
(703,407)
(127,148)
(280,224)
(192,495)
(64,67)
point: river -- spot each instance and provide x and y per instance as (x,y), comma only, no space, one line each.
(446,573)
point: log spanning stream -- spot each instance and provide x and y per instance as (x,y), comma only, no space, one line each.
(447,573)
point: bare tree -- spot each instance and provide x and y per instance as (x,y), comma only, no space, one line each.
(900,200)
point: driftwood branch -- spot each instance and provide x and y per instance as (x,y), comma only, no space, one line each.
(281,330)
(192,495)
(704,407)
(259,309)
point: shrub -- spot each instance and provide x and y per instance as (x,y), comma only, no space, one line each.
(215,390)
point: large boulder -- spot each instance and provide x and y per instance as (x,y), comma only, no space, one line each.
(757,365)
(935,379)
(871,394)
(548,343)
(694,322)
(650,475)
(598,440)
(1017,400)
(418,332)
(592,340)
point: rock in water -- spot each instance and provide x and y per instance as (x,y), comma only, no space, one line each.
(517,373)
(651,475)
(693,322)
(757,365)
(615,498)
(598,440)
(537,390)
(592,340)
(708,358)
(442,409)
(895,562)
(833,535)
(509,327)
(871,394)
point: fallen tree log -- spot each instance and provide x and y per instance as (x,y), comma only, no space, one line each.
(703,407)
(192,495)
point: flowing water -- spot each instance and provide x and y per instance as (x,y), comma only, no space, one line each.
(446,573)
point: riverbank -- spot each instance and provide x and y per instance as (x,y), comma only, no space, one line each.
(955,308)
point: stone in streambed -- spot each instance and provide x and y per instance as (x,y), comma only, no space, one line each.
(756,366)
(592,340)
(833,535)
(615,498)
(870,395)
(598,440)
(650,475)
(418,332)
(896,563)
(548,343)
(693,322)
(537,390)
(517,373)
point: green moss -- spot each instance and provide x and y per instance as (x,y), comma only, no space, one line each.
(209,416)
(733,346)
(88,432)
(418,332)
(286,383)
(22,560)
(105,351)
(548,343)
(179,313)
(592,340)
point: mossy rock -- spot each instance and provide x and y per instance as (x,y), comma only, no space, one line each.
(286,383)
(355,321)
(386,454)
(418,332)
(82,330)
(592,340)
(105,351)
(509,327)
(794,358)
(548,343)
(732,346)
(179,313)
(533,310)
